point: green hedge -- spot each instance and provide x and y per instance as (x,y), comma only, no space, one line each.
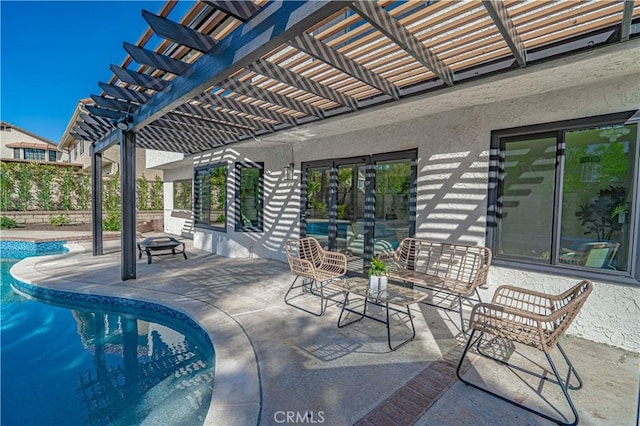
(31,186)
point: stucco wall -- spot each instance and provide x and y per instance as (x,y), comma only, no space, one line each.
(453,153)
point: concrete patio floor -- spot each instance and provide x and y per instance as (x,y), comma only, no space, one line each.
(273,359)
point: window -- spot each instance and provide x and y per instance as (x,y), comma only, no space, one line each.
(34,154)
(182,195)
(52,156)
(81,148)
(563,196)
(4,128)
(249,196)
(16,153)
(210,192)
(75,151)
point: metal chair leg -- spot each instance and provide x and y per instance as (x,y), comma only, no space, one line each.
(293,286)
(563,385)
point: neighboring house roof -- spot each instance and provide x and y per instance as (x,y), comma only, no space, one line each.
(35,145)
(4,123)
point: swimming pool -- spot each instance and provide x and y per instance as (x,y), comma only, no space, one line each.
(75,359)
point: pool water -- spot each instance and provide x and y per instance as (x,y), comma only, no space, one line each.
(78,360)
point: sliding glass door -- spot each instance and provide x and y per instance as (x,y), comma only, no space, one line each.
(360,206)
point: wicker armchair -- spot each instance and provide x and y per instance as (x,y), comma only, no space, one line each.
(534,319)
(316,266)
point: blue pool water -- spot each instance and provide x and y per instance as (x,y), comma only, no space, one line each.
(70,359)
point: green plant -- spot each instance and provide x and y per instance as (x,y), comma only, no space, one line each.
(7,222)
(6,187)
(67,187)
(600,216)
(378,268)
(143,193)
(156,194)
(112,221)
(111,193)
(84,191)
(59,219)
(221,218)
(44,176)
(24,186)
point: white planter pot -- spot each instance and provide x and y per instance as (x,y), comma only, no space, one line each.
(377,284)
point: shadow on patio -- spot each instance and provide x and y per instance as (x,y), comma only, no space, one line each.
(345,376)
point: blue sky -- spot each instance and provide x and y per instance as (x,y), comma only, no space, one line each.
(54,53)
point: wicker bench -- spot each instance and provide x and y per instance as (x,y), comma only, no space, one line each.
(455,269)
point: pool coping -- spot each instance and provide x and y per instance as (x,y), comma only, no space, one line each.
(236,395)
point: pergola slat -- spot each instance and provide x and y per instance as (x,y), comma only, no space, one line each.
(269,28)
(87,134)
(138,79)
(124,93)
(190,130)
(314,47)
(279,73)
(189,136)
(627,17)
(155,60)
(206,125)
(93,128)
(241,10)
(98,121)
(77,137)
(106,113)
(178,33)
(244,107)
(211,132)
(113,104)
(508,30)
(168,135)
(377,16)
(210,113)
(256,92)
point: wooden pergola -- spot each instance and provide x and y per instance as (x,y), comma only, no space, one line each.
(229,71)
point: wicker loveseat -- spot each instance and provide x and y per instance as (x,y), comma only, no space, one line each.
(455,269)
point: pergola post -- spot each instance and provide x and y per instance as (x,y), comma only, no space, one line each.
(128,191)
(96,202)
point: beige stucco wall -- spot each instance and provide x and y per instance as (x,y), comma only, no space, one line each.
(453,161)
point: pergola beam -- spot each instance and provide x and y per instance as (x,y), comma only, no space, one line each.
(500,15)
(167,134)
(256,92)
(187,136)
(278,73)
(246,108)
(112,138)
(224,117)
(178,33)
(139,79)
(241,10)
(272,26)
(155,60)
(377,16)
(314,47)
(124,93)
(200,126)
(627,17)
(106,113)
(114,104)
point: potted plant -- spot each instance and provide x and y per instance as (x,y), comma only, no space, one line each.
(378,275)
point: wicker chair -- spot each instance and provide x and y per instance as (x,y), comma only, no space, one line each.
(534,319)
(316,266)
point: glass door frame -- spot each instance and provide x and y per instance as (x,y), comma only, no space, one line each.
(369,162)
